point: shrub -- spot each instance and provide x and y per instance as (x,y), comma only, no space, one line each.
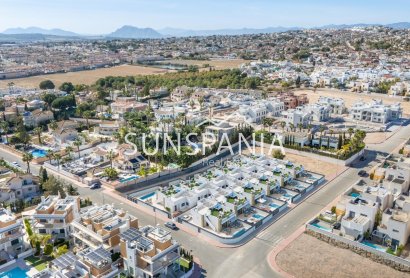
(48,249)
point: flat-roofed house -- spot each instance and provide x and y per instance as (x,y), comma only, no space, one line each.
(101,226)
(54,215)
(148,252)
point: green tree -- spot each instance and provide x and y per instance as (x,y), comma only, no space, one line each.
(78,144)
(27,158)
(67,87)
(38,130)
(111,173)
(46,84)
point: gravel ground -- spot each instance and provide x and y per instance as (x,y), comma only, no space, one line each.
(310,257)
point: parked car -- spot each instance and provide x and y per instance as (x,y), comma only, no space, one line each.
(337,226)
(16,164)
(362,173)
(171,225)
(95,186)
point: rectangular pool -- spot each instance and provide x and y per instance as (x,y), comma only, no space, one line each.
(381,249)
(321,227)
(129,178)
(148,196)
(14,273)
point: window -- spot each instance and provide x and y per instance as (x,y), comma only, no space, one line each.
(396,231)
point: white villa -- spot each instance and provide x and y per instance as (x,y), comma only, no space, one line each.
(375,112)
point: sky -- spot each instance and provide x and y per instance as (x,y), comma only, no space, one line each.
(104,16)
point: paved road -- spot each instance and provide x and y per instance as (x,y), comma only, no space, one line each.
(250,260)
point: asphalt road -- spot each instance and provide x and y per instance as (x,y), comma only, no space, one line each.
(250,260)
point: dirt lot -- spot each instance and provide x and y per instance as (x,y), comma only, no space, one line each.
(83,77)
(310,257)
(325,168)
(218,64)
(350,97)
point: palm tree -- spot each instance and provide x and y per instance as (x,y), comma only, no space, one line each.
(5,127)
(309,127)
(68,151)
(57,157)
(300,126)
(321,129)
(87,115)
(110,156)
(283,124)
(50,155)
(38,131)
(331,132)
(292,126)
(27,157)
(77,143)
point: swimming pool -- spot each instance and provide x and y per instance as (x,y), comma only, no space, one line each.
(38,153)
(274,206)
(239,233)
(257,216)
(354,194)
(14,273)
(148,196)
(321,227)
(129,178)
(373,246)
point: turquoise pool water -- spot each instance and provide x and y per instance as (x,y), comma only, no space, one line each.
(14,273)
(274,206)
(145,197)
(373,246)
(257,216)
(129,178)
(239,233)
(354,194)
(321,227)
(38,153)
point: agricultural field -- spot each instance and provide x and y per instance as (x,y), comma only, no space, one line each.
(87,77)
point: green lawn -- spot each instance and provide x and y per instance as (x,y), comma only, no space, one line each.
(184,262)
(38,263)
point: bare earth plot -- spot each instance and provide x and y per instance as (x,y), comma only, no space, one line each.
(309,257)
(351,98)
(83,77)
(311,164)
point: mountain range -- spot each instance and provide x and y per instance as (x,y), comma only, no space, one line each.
(131,32)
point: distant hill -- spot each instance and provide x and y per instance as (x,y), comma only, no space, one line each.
(174,32)
(37,30)
(131,32)
(399,25)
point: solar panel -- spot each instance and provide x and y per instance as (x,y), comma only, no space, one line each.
(65,260)
(131,234)
(98,255)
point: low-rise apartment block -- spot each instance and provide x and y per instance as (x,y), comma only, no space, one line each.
(148,252)
(375,112)
(11,234)
(54,215)
(101,226)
